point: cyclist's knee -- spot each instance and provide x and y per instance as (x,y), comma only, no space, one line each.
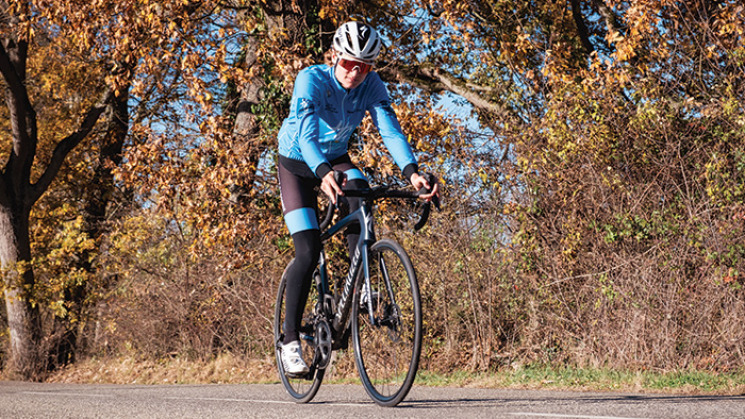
(307,247)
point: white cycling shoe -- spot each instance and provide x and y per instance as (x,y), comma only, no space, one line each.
(292,359)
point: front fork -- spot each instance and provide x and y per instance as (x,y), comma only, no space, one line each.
(366,287)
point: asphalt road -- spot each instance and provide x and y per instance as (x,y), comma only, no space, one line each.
(34,400)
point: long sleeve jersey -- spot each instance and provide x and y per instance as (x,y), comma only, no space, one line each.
(323,116)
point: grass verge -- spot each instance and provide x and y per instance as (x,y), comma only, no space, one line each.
(593,379)
(222,369)
(228,369)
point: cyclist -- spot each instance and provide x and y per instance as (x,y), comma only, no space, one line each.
(328,103)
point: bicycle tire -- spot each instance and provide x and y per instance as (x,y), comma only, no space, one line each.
(387,354)
(303,389)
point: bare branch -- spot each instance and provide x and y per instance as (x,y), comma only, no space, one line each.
(438,81)
(68,143)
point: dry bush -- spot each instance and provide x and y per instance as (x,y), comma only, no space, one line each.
(628,311)
(165,302)
(620,275)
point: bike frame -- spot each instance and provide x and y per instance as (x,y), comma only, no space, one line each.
(359,260)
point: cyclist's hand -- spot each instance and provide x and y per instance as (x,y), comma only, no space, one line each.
(419,182)
(330,187)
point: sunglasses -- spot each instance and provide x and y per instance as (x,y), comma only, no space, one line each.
(351,65)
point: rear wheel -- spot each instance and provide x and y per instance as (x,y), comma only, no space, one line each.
(388,343)
(304,388)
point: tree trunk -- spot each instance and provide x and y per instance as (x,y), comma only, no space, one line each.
(246,128)
(17,196)
(24,320)
(286,23)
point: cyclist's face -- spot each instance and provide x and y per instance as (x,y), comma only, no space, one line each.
(350,73)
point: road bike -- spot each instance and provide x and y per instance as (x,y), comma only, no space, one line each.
(377,302)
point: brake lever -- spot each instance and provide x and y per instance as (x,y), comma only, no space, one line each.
(339,177)
(432,180)
(436,201)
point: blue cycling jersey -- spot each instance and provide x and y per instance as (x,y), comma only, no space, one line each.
(323,115)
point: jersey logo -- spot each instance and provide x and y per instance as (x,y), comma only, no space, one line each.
(305,107)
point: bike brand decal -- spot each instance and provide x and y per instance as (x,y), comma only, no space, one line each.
(348,284)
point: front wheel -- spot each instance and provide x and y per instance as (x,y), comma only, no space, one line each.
(388,343)
(302,389)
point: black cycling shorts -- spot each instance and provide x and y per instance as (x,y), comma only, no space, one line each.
(298,189)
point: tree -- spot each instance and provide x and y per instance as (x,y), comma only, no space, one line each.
(18,192)
(106,42)
(160,64)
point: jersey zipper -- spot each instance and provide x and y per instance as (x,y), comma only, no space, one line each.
(344,117)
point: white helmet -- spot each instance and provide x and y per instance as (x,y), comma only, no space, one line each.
(358,40)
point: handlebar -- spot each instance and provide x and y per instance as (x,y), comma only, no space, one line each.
(380,192)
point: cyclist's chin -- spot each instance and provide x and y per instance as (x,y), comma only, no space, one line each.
(351,83)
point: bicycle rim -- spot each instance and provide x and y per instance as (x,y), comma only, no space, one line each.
(301,389)
(387,352)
